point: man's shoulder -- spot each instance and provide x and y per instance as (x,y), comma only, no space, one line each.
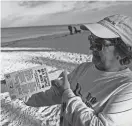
(85,65)
(82,68)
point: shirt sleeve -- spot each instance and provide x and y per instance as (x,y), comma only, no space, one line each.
(118,110)
(49,97)
(77,113)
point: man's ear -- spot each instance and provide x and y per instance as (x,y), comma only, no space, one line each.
(125,61)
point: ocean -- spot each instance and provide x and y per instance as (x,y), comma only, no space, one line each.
(20,33)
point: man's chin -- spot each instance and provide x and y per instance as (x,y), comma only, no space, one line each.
(96,60)
(97,63)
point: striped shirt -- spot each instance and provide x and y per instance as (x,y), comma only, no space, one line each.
(104,99)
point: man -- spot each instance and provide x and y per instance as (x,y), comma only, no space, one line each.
(70,29)
(97,93)
(101,92)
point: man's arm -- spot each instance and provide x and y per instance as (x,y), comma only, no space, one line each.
(53,96)
(47,98)
(117,111)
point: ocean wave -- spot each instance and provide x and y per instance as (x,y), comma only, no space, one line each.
(10,39)
(7,49)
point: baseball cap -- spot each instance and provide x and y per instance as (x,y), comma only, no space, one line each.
(114,26)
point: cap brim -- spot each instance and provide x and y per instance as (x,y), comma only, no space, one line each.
(99,30)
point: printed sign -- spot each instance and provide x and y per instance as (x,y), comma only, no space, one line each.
(27,82)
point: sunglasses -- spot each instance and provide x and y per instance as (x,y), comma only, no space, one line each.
(97,44)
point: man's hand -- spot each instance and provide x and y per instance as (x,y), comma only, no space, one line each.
(62,82)
(25,99)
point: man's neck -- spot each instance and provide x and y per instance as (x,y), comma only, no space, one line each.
(112,69)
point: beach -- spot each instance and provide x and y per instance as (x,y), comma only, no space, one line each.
(58,52)
(48,34)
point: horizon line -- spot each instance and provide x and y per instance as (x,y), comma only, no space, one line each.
(45,25)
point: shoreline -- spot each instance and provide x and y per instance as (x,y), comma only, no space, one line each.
(77,43)
(44,37)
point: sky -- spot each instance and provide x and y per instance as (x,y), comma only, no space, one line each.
(39,13)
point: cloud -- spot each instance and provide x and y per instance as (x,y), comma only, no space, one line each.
(97,5)
(32,3)
(20,13)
